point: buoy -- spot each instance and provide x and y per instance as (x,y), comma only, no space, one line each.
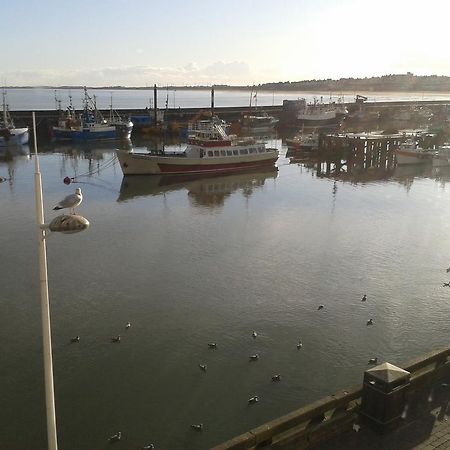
(67,180)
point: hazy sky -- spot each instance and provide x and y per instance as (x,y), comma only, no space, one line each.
(191,42)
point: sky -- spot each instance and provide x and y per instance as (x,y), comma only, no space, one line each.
(235,42)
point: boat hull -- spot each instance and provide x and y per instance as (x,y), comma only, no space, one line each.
(142,164)
(15,136)
(92,133)
(411,157)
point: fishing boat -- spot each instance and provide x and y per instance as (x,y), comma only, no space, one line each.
(307,142)
(409,152)
(441,156)
(320,114)
(209,150)
(257,121)
(90,124)
(9,134)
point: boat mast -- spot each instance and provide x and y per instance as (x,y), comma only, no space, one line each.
(155,103)
(4,107)
(212,101)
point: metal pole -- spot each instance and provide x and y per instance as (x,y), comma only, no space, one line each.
(45,309)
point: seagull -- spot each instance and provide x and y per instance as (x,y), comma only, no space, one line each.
(2,179)
(320,307)
(299,345)
(370,322)
(212,345)
(446,284)
(276,377)
(254,357)
(356,427)
(128,325)
(116,339)
(197,427)
(254,334)
(148,447)
(364,298)
(202,367)
(71,201)
(116,437)
(252,400)
(75,339)
(448,270)
(373,361)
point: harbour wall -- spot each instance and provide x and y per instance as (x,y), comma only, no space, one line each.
(182,116)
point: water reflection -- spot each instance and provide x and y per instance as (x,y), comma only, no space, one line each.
(203,190)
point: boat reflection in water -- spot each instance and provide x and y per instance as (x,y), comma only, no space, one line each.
(9,157)
(203,190)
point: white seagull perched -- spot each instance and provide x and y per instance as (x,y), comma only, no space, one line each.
(71,201)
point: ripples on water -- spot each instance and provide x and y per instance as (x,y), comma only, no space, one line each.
(189,262)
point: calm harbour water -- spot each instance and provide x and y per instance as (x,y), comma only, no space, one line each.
(210,260)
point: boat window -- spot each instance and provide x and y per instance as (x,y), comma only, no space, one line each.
(235,152)
(222,152)
(216,153)
(251,150)
(243,151)
(261,149)
(229,152)
(210,153)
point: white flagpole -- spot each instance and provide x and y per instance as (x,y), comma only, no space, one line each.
(45,309)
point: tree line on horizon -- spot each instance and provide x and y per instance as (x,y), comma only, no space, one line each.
(402,82)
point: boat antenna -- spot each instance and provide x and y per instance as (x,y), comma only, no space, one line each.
(212,101)
(155,102)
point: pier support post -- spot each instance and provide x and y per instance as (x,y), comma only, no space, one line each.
(384,394)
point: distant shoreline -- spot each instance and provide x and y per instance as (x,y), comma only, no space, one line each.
(238,88)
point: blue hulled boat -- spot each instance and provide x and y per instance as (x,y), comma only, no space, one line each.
(90,124)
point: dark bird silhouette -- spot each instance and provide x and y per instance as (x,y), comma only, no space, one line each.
(197,427)
(373,361)
(276,377)
(203,367)
(254,357)
(116,339)
(212,345)
(448,270)
(252,400)
(75,339)
(320,307)
(446,284)
(116,437)
(370,322)
(364,298)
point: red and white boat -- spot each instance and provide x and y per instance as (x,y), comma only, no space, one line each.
(209,150)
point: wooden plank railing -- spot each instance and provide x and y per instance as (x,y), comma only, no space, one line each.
(333,414)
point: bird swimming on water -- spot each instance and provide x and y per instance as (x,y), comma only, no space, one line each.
(254,357)
(203,367)
(212,345)
(71,201)
(370,322)
(252,400)
(320,307)
(116,339)
(299,345)
(148,447)
(128,325)
(276,377)
(75,339)
(373,361)
(116,437)
(364,298)
(254,334)
(197,427)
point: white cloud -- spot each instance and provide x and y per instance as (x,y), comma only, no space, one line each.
(191,74)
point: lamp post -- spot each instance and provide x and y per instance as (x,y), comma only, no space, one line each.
(76,223)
